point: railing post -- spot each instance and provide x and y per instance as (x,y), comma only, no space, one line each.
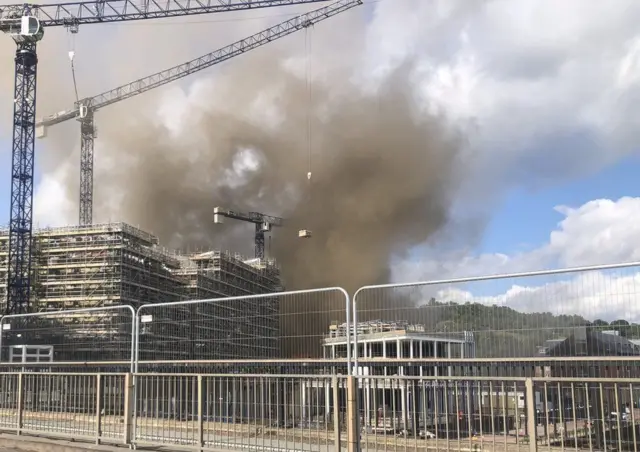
(98,408)
(353,435)
(336,413)
(200,415)
(20,403)
(532,428)
(129,403)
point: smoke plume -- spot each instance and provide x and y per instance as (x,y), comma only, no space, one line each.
(382,170)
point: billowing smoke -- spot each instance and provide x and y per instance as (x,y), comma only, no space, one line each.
(382,170)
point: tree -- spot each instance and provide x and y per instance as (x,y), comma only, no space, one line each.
(622,326)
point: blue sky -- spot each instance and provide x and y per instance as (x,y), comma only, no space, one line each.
(526,217)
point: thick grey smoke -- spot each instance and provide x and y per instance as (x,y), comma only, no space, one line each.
(383,170)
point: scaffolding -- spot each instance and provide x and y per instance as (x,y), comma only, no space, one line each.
(98,265)
(117,264)
(220,329)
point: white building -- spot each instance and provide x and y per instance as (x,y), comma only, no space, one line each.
(379,345)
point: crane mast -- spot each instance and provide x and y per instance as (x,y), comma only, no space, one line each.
(84,109)
(263,223)
(87,135)
(25,23)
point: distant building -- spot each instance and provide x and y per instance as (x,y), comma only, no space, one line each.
(399,340)
(588,342)
(383,399)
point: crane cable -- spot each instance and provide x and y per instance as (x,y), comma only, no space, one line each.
(72,54)
(309,106)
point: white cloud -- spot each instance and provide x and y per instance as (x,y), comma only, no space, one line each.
(599,232)
(550,89)
(51,207)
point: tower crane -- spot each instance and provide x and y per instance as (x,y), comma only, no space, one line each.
(25,23)
(263,224)
(84,109)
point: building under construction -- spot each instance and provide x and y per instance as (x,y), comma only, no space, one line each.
(116,264)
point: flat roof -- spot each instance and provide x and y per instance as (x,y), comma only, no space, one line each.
(395,335)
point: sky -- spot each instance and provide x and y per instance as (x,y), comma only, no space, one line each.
(545,91)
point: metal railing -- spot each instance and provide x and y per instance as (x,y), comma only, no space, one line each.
(324,412)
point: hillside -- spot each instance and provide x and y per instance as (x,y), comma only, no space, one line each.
(499,331)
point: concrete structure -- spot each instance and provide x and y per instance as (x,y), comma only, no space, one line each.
(399,340)
(385,402)
(117,264)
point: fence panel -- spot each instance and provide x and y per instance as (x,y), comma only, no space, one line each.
(256,328)
(244,412)
(587,413)
(94,335)
(478,413)
(413,413)
(78,406)
(589,313)
(9,393)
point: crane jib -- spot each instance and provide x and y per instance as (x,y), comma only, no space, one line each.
(105,11)
(205,61)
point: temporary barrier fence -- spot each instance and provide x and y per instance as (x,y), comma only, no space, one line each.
(479,323)
(101,334)
(562,314)
(275,327)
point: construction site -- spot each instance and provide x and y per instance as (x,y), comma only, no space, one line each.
(47,276)
(102,265)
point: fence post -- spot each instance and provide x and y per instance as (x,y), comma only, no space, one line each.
(532,428)
(129,403)
(98,410)
(336,413)
(200,415)
(20,403)
(353,435)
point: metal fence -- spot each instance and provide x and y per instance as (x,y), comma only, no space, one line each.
(271,327)
(563,314)
(324,412)
(478,413)
(76,335)
(587,314)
